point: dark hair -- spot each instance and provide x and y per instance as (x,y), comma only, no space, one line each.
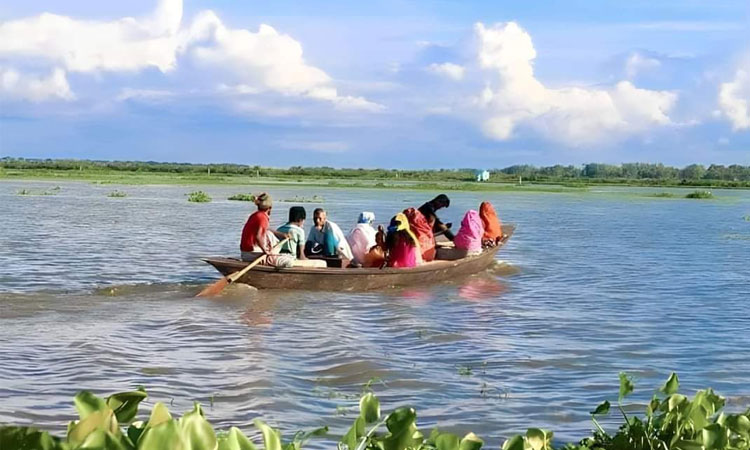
(441,201)
(318,211)
(297,213)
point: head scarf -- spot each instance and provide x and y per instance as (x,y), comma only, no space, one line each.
(263,201)
(423,230)
(493,228)
(402,224)
(366,217)
(469,237)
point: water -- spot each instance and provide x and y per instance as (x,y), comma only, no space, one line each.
(96,293)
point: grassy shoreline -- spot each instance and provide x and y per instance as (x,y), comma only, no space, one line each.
(111,177)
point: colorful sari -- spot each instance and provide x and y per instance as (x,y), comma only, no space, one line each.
(469,237)
(403,245)
(423,231)
(493,228)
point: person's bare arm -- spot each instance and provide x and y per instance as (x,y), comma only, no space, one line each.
(301,251)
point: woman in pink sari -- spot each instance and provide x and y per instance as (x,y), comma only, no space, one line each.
(402,244)
(469,237)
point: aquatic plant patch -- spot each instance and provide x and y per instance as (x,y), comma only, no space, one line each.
(199,197)
(671,421)
(700,195)
(242,197)
(117,194)
(302,199)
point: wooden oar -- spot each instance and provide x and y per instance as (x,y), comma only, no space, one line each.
(219,286)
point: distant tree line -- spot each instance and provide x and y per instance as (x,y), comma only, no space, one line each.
(694,174)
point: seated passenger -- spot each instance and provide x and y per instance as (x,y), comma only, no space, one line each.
(376,256)
(326,238)
(403,246)
(429,211)
(362,237)
(469,236)
(422,229)
(257,237)
(493,229)
(296,243)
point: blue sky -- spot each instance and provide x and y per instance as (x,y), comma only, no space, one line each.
(377,84)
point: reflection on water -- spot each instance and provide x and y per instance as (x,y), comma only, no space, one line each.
(98,293)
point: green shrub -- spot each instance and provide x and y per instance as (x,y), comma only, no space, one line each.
(700,195)
(199,197)
(117,194)
(242,197)
(671,422)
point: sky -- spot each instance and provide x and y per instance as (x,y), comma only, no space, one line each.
(395,83)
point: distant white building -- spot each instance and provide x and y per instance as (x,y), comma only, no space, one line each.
(482,175)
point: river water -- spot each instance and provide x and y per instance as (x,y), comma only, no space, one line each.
(97,293)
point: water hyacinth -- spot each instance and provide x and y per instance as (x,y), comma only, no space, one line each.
(671,421)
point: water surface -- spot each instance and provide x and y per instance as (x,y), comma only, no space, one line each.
(97,293)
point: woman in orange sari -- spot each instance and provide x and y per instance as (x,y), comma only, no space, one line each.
(493,229)
(423,231)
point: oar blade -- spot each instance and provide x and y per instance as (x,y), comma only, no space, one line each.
(214,289)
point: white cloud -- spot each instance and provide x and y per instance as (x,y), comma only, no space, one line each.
(316,146)
(637,63)
(450,70)
(238,59)
(148,95)
(734,99)
(127,44)
(17,86)
(574,115)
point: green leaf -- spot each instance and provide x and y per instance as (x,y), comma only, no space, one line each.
(22,438)
(671,385)
(351,438)
(687,445)
(197,433)
(538,439)
(87,403)
(626,386)
(125,404)
(739,424)
(271,437)
(514,443)
(403,430)
(369,408)
(676,401)
(165,436)
(714,437)
(471,442)
(235,440)
(103,420)
(159,415)
(100,439)
(135,430)
(602,409)
(447,441)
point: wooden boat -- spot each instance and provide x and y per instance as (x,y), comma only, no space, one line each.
(341,279)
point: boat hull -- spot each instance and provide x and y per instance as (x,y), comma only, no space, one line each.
(338,279)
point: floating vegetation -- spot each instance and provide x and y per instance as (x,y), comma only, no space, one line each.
(243,197)
(747,218)
(737,237)
(298,199)
(199,197)
(700,195)
(117,194)
(662,195)
(671,421)
(52,191)
(464,371)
